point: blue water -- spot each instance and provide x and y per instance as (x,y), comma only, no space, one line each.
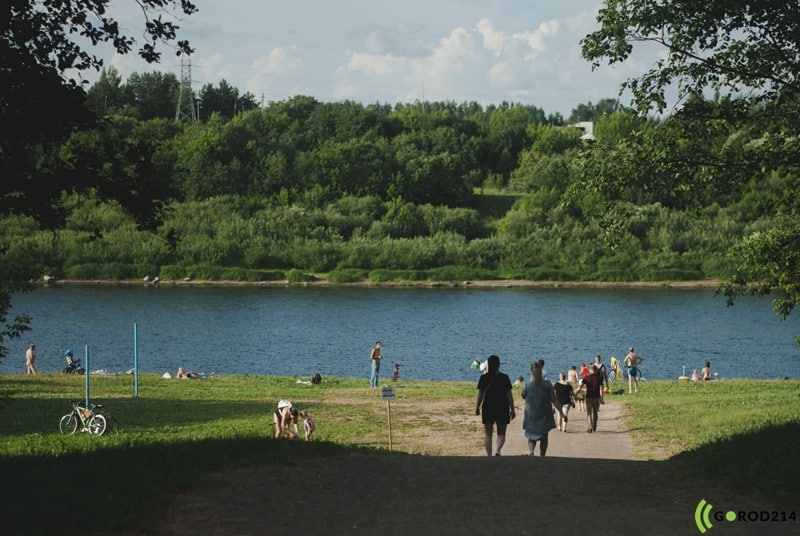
(433,333)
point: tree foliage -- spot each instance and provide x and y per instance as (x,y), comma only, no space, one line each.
(740,47)
(747,52)
(43,52)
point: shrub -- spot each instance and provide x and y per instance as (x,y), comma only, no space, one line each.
(459,273)
(672,274)
(350,275)
(541,273)
(115,271)
(173,272)
(614,275)
(204,272)
(143,270)
(298,276)
(384,275)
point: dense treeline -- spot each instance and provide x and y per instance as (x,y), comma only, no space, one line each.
(415,191)
(147,177)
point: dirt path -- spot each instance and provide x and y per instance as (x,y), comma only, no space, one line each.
(588,482)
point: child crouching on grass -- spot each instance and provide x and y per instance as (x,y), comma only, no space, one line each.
(308,424)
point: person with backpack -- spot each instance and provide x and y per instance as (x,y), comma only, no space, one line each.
(601,369)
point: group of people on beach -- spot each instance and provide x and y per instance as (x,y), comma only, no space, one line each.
(704,375)
(547,404)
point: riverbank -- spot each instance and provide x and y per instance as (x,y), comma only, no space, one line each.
(197,456)
(321,282)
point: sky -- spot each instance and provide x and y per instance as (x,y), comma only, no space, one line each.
(372,51)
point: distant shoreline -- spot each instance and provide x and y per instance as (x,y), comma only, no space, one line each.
(489,283)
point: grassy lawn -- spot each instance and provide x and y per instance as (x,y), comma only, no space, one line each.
(742,433)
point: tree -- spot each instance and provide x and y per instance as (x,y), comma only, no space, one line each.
(107,94)
(593,112)
(744,50)
(153,95)
(41,58)
(745,47)
(42,54)
(225,100)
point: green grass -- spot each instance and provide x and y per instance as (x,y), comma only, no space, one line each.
(744,433)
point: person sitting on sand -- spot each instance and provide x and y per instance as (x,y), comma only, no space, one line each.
(706,372)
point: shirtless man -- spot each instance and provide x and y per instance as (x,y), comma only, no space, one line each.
(631,361)
(30,358)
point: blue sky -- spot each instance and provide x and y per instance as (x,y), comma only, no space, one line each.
(390,52)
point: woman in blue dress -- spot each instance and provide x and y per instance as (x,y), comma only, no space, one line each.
(540,401)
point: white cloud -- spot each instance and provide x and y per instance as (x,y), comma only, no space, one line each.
(460,50)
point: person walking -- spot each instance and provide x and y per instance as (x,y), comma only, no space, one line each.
(631,362)
(495,404)
(601,369)
(30,359)
(540,399)
(375,359)
(564,394)
(593,384)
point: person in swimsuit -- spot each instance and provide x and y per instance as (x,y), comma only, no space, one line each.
(284,417)
(308,424)
(706,372)
(632,360)
(30,359)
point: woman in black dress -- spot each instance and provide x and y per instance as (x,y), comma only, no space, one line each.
(495,404)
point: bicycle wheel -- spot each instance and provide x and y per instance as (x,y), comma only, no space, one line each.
(68,424)
(97,425)
(612,375)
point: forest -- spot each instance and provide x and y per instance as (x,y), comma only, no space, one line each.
(695,177)
(436,191)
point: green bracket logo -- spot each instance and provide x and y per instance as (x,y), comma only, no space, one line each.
(701,516)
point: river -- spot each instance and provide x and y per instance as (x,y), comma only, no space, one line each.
(433,333)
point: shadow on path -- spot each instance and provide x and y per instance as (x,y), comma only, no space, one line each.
(588,482)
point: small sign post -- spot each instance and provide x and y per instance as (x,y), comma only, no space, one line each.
(387,394)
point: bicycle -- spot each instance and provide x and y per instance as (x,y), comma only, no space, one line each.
(90,421)
(619,372)
(112,424)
